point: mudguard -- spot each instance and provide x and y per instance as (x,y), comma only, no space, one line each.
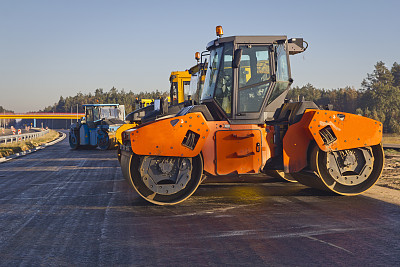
(123,128)
(331,131)
(181,136)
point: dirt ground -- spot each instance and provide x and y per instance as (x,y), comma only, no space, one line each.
(391,172)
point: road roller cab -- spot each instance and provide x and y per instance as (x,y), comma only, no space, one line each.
(245,125)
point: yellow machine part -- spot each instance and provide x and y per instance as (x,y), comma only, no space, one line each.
(124,127)
(145,102)
(179,79)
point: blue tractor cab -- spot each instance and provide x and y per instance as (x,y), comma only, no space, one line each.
(98,127)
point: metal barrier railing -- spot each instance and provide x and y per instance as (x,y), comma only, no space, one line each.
(21,137)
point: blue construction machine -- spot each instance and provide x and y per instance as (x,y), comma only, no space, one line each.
(98,127)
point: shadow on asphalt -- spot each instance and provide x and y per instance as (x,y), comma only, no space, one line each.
(241,193)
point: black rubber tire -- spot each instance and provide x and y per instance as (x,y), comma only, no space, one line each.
(104,144)
(73,142)
(159,199)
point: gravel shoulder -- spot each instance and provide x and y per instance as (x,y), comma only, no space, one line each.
(387,188)
(391,172)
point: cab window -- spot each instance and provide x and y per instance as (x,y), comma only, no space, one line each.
(254,77)
(212,73)
(96,114)
(186,86)
(89,113)
(174,92)
(224,85)
(282,72)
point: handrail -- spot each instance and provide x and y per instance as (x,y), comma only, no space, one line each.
(41,115)
(21,137)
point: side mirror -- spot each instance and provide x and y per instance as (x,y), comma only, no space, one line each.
(236,58)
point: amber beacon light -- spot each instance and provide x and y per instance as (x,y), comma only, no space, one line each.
(219,31)
(197,56)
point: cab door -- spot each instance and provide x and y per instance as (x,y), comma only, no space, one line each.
(253,81)
(238,151)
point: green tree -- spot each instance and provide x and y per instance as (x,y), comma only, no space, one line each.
(396,74)
(380,76)
(381,97)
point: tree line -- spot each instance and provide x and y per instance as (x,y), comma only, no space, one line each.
(378,98)
(114,96)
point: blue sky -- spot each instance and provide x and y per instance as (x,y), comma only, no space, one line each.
(52,48)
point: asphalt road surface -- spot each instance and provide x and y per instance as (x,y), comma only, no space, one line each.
(61,207)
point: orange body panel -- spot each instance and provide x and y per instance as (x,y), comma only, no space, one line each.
(295,144)
(165,137)
(224,153)
(349,130)
(238,151)
(270,138)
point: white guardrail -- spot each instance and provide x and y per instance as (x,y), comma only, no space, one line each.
(21,137)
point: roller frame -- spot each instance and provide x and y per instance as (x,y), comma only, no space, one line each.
(172,143)
(351,131)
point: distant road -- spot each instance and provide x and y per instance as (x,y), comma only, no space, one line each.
(62,207)
(391,145)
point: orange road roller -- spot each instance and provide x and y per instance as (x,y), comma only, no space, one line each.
(245,125)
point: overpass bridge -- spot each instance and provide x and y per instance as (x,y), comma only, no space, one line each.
(42,115)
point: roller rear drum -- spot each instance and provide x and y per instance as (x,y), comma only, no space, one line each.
(345,172)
